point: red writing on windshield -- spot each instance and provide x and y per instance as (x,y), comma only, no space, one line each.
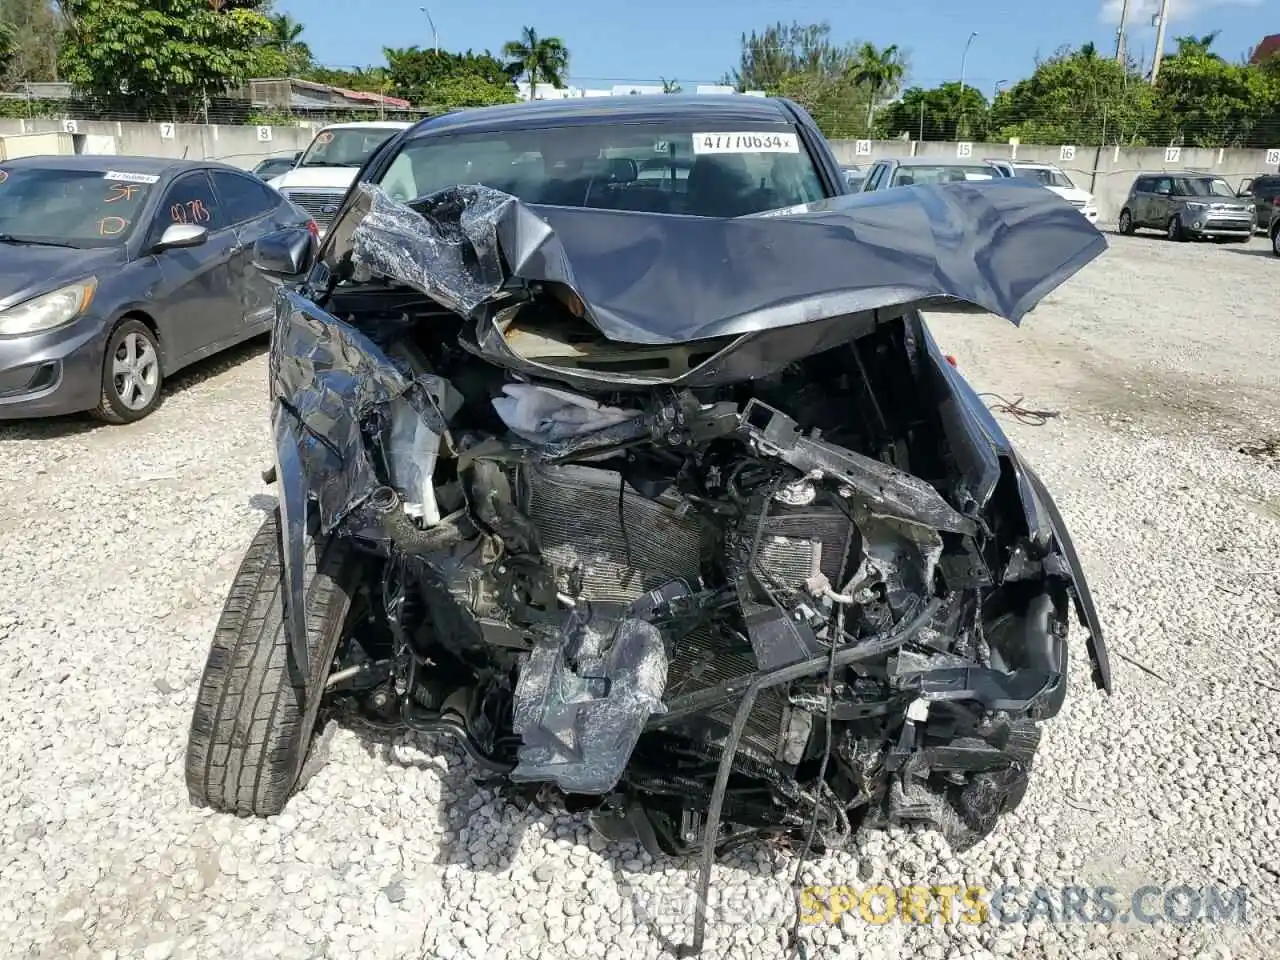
(121,191)
(193,211)
(112,226)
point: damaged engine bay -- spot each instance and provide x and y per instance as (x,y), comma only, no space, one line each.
(754,584)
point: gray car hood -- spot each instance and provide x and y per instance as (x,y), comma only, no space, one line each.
(998,246)
(27,270)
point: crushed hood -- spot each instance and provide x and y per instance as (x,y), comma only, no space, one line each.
(998,246)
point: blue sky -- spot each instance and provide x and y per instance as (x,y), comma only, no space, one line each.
(695,41)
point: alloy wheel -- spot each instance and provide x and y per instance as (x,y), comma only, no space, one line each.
(135,371)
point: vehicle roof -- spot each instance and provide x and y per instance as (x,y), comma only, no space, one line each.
(365,124)
(936,162)
(587,110)
(155,166)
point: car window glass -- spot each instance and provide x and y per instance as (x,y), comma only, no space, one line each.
(941,173)
(79,208)
(241,199)
(873,182)
(1161,185)
(683,167)
(189,200)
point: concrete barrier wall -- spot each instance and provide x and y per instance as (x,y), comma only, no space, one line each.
(1107,172)
(239,146)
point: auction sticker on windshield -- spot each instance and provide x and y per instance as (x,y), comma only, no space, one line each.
(747,142)
(120,177)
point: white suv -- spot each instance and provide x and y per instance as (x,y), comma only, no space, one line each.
(1047,175)
(325,170)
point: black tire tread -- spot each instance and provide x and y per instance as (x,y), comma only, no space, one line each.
(253,722)
(106,410)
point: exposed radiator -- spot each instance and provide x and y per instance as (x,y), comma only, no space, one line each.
(576,512)
(796,544)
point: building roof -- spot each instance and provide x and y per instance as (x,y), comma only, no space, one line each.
(721,108)
(1269,47)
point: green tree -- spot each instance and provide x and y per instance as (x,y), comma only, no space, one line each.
(540,59)
(364,79)
(880,71)
(1075,97)
(441,79)
(8,45)
(671,86)
(783,50)
(943,113)
(1202,100)
(802,62)
(159,58)
(34,38)
(286,38)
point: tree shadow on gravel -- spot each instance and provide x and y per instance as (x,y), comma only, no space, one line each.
(53,428)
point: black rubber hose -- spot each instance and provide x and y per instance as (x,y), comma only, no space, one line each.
(852,653)
(457,729)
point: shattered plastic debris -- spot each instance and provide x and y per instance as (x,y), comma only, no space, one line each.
(546,415)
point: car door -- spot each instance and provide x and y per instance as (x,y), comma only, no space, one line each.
(1160,202)
(1137,201)
(1265,190)
(196,301)
(252,210)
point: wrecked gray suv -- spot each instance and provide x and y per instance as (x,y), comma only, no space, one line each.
(680,520)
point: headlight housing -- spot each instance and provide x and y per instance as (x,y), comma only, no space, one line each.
(48,310)
(1195,205)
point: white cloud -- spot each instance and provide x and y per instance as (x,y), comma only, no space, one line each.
(1141,11)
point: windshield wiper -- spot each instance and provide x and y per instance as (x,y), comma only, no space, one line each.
(10,238)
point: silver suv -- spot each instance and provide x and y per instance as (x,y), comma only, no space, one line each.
(1188,205)
(904,171)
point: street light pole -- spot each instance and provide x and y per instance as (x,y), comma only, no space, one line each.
(964,61)
(1159,54)
(435,37)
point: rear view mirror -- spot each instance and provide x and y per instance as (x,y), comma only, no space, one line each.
(179,235)
(285,253)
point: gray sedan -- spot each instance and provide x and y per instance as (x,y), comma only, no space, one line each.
(115,272)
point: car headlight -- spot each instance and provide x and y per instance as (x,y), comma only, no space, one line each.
(1192,205)
(48,310)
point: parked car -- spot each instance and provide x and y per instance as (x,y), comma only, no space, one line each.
(1273,229)
(854,176)
(1187,206)
(904,171)
(662,637)
(320,178)
(276,166)
(115,272)
(1053,177)
(1264,192)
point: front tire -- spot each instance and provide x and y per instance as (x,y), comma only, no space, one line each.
(255,716)
(1125,225)
(1174,231)
(131,377)
(1275,243)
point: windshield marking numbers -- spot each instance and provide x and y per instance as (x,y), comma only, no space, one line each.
(746,142)
(112,226)
(193,211)
(324,138)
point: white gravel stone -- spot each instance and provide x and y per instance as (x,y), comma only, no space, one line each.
(117,546)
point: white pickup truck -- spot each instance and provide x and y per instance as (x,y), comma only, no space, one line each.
(325,170)
(1048,175)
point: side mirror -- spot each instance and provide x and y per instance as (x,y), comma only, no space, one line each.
(1245,189)
(179,235)
(285,253)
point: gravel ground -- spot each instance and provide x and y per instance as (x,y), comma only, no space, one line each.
(117,545)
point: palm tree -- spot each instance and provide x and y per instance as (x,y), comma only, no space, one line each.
(1194,46)
(671,86)
(880,71)
(541,59)
(285,31)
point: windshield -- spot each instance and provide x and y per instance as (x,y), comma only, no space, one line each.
(345,147)
(673,167)
(1202,187)
(942,173)
(1045,175)
(76,208)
